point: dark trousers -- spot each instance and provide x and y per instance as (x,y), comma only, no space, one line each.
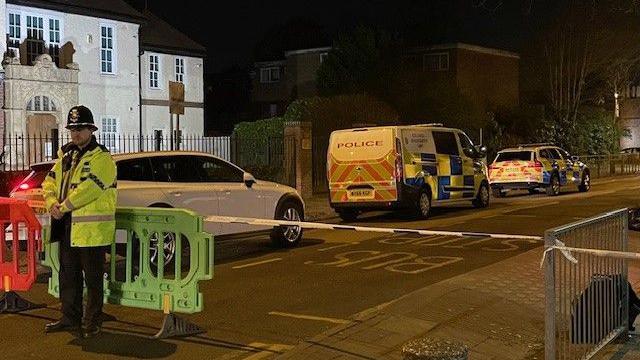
(73,262)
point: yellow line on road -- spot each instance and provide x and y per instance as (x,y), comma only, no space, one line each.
(310,317)
(338,246)
(269,350)
(256,263)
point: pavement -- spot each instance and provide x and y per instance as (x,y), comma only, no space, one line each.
(496,311)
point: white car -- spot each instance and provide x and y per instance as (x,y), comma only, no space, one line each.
(196,181)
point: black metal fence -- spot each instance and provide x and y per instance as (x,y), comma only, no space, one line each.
(270,159)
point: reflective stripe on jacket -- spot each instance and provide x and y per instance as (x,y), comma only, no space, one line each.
(90,193)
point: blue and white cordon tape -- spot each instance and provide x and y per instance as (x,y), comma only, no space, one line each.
(322,226)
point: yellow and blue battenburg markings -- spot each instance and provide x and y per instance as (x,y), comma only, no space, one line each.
(449,176)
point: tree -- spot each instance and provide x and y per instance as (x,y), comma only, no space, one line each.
(586,45)
(359,62)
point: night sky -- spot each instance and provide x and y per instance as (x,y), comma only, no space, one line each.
(232,29)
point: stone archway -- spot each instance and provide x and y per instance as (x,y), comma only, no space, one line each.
(39,136)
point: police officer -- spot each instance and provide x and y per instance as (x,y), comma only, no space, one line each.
(80,195)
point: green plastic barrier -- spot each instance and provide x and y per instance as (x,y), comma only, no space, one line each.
(139,283)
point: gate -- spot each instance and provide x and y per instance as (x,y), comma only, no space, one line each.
(586,295)
(320,144)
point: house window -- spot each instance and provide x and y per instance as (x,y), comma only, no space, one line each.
(269,75)
(323,57)
(180,70)
(107,50)
(634,91)
(14,30)
(154,70)
(109,129)
(273,110)
(35,27)
(41,103)
(54,31)
(436,62)
(35,38)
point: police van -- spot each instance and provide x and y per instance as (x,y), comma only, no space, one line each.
(404,167)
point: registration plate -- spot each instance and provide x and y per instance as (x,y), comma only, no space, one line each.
(361,194)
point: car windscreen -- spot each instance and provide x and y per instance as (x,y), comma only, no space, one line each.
(514,156)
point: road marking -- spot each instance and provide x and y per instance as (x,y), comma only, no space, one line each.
(531,207)
(256,263)
(310,317)
(258,351)
(339,246)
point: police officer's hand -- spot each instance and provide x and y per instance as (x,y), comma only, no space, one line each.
(56,212)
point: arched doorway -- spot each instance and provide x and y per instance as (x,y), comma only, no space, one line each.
(41,123)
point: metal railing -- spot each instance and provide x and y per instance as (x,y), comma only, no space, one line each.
(586,300)
(612,164)
(267,158)
(19,151)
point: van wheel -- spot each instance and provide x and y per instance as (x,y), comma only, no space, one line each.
(482,199)
(348,214)
(554,186)
(288,236)
(586,183)
(423,204)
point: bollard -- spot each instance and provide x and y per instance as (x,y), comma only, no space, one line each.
(434,349)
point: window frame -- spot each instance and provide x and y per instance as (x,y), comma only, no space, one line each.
(54,31)
(440,66)
(155,72)
(157,163)
(269,70)
(106,50)
(179,64)
(141,159)
(106,141)
(435,142)
(323,57)
(16,27)
(225,164)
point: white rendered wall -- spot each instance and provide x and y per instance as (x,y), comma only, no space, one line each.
(156,116)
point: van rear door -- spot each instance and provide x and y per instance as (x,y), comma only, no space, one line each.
(361,165)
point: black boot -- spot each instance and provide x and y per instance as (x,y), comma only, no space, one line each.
(61,325)
(90,331)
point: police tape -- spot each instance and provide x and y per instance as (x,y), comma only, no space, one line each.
(322,226)
(567,253)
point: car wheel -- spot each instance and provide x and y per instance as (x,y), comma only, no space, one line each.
(482,199)
(553,189)
(423,204)
(348,214)
(288,236)
(169,249)
(586,183)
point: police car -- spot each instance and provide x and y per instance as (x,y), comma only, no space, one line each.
(536,167)
(395,167)
(197,181)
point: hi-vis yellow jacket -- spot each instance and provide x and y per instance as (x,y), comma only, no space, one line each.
(90,195)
